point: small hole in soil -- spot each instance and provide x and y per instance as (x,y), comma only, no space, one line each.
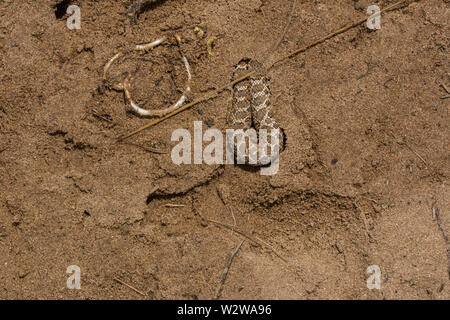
(61,8)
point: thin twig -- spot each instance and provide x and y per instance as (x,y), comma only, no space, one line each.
(224,275)
(169,205)
(335,33)
(151,150)
(437,215)
(418,155)
(446,90)
(131,287)
(366,226)
(215,92)
(96,114)
(283,34)
(252,239)
(234,219)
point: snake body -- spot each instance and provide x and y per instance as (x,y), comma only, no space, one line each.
(250,112)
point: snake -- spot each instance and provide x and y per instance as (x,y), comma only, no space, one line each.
(250,116)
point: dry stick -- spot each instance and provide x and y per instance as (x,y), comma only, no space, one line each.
(150,150)
(170,205)
(96,114)
(131,287)
(413,151)
(363,217)
(333,34)
(224,275)
(219,90)
(254,240)
(283,34)
(234,219)
(437,215)
(447,90)
(427,166)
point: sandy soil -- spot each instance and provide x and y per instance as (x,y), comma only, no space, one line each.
(366,159)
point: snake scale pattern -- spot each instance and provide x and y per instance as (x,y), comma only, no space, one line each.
(251,109)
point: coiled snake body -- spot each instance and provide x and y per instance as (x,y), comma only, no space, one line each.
(251,113)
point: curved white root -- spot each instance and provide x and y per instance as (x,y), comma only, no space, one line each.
(126,85)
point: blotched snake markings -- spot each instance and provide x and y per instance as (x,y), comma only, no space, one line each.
(251,110)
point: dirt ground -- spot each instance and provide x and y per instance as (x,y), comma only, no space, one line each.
(363,180)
